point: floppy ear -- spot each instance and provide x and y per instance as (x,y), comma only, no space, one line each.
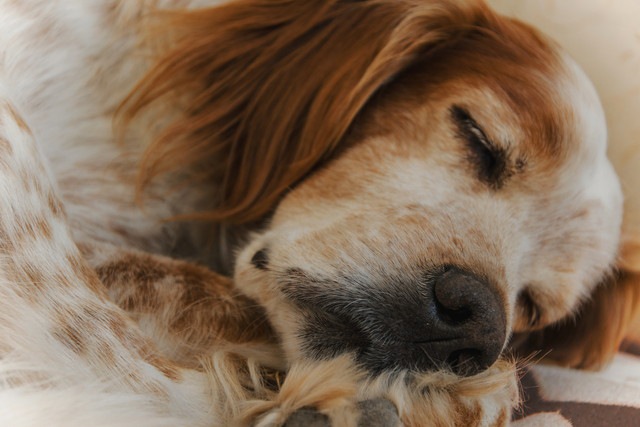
(592,338)
(270,87)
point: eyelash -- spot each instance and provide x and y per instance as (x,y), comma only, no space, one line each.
(489,159)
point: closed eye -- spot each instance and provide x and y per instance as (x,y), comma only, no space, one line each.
(529,309)
(489,159)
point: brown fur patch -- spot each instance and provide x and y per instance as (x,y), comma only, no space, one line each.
(35,278)
(196,307)
(118,326)
(134,278)
(44,228)
(105,353)
(466,414)
(89,277)
(17,118)
(54,205)
(502,419)
(313,67)
(71,337)
(495,54)
(5,148)
(168,369)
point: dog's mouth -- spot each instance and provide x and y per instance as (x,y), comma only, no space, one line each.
(449,320)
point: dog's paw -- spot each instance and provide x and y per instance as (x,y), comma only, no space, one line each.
(370,413)
(307,417)
(335,394)
(378,413)
(485,399)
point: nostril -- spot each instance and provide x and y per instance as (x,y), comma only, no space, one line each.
(453,316)
(260,259)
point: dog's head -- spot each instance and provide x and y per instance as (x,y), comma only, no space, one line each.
(434,176)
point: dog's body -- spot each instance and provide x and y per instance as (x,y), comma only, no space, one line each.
(541,234)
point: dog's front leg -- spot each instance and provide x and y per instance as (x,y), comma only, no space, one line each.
(58,329)
(187,310)
(192,313)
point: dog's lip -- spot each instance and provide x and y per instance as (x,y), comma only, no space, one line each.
(434,340)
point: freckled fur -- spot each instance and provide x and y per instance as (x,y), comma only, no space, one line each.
(357,173)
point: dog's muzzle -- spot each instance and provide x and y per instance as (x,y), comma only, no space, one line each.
(454,320)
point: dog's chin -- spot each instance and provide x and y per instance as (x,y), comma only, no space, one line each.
(374,357)
(308,337)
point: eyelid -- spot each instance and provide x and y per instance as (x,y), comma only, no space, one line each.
(466,123)
(490,159)
(481,136)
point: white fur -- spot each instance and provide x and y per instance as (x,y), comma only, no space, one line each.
(602,36)
(64,66)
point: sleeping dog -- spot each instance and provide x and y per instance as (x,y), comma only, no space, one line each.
(398,187)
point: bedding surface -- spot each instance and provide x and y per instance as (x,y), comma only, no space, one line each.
(565,397)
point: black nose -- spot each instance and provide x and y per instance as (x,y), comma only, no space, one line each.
(465,325)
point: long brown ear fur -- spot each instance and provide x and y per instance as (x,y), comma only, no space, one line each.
(593,337)
(272,86)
